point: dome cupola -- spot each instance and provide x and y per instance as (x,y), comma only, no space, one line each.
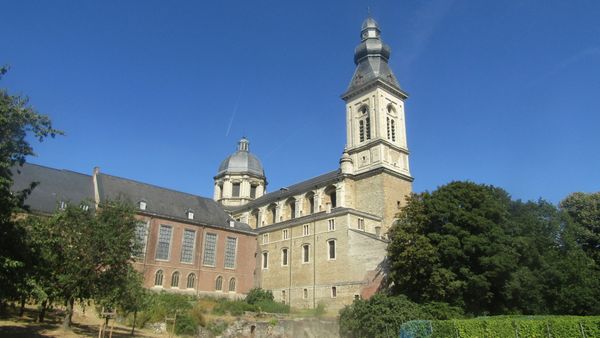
(240,177)
(242,162)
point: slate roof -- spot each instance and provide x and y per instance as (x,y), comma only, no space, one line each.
(292,190)
(167,202)
(54,186)
(371,59)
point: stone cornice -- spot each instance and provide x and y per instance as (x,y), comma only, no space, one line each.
(375,142)
(372,84)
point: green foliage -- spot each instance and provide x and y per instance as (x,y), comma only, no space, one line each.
(233,307)
(507,326)
(186,325)
(472,247)
(379,316)
(584,211)
(256,295)
(217,327)
(320,309)
(18,121)
(271,307)
(439,310)
(164,304)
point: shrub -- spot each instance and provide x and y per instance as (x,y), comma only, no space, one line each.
(379,316)
(256,295)
(186,325)
(217,327)
(234,308)
(442,311)
(272,307)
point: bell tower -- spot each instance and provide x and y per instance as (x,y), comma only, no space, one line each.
(375,124)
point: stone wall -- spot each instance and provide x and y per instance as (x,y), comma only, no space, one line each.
(284,328)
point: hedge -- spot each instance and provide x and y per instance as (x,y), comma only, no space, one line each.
(517,327)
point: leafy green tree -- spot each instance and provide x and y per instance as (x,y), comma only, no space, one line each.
(17,121)
(89,254)
(452,246)
(584,210)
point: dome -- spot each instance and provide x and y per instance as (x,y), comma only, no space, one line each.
(242,162)
(369,23)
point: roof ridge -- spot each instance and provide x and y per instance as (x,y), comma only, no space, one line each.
(54,169)
(156,186)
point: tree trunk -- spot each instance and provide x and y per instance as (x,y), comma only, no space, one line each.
(68,313)
(133,326)
(42,312)
(22,309)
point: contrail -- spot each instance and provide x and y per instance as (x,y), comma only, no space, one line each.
(235,108)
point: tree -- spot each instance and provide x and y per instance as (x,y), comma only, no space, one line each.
(451,246)
(88,253)
(584,210)
(17,121)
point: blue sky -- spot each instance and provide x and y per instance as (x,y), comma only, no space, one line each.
(504,93)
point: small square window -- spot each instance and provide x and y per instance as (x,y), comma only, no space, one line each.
(305,293)
(331,225)
(361,224)
(333,292)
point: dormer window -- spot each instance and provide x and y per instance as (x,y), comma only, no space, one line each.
(142,205)
(62,205)
(189,214)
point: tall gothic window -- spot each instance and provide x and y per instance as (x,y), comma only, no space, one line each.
(191,281)
(388,127)
(164,242)
(219,284)
(232,285)
(230,249)
(393,130)
(175,280)
(210,248)
(368,128)
(187,247)
(361,130)
(158,278)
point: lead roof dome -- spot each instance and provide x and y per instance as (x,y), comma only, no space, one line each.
(242,162)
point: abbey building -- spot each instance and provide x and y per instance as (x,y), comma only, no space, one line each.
(321,240)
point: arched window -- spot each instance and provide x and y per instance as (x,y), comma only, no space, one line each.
(309,203)
(364,124)
(232,285)
(158,278)
(306,253)
(191,281)
(331,196)
(254,219)
(290,206)
(272,213)
(331,253)
(219,284)
(175,280)
(284,256)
